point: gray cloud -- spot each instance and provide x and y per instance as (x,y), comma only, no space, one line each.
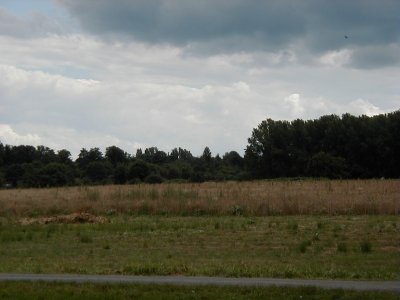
(182,22)
(231,25)
(366,22)
(375,57)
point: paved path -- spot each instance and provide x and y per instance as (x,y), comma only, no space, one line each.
(202,280)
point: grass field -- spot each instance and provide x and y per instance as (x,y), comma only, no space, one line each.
(258,198)
(347,247)
(36,291)
(287,229)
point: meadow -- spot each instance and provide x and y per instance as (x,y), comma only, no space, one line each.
(256,198)
(345,247)
(284,229)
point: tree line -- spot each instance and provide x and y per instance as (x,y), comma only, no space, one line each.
(328,147)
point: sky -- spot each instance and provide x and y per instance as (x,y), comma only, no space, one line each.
(189,73)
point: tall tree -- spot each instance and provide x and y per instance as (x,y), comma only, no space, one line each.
(116,155)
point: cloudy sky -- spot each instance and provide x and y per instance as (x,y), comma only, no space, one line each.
(189,73)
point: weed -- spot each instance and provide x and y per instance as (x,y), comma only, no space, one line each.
(365,246)
(341,247)
(85,238)
(237,210)
(29,236)
(293,226)
(153,194)
(93,194)
(303,246)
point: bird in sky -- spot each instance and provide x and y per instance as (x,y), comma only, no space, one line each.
(346,37)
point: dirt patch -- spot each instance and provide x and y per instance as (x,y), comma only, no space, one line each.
(75,218)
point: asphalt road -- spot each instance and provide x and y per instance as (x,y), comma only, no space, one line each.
(202,280)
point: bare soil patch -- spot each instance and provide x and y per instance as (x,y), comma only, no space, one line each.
(74,218)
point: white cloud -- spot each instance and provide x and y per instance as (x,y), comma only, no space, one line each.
(9,136)
(294,105)
(336,58)
(74,91)
(363,107)
(301,107)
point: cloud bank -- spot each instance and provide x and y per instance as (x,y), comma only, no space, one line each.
(170,73)
(226,26)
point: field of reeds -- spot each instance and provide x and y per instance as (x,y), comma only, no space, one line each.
(257,198)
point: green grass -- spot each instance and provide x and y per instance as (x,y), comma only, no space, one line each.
(55,291)
(290,247)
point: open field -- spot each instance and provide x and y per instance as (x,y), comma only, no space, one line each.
(283,229)
(346,247)
(32,291)
(258,198)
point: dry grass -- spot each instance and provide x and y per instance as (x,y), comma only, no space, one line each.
(75,218)
(257,198)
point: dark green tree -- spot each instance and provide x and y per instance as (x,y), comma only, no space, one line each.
(326,165)
(207,155)
(45,155)
(85,157)
(120,174)
(139,170)
(55,174)
(14,173)
(116,155)
(64,157)
(98,171)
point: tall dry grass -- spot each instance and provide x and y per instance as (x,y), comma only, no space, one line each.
(258,198)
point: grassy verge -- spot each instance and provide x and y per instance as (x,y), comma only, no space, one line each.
(32,291)
(346,247)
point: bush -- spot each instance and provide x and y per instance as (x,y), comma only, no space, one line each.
(98,171)
(153,178)
(55,174)
(120,174)
(341,247)
(139,169)
(365,246)
(303,246)
(326,165)
(85,238)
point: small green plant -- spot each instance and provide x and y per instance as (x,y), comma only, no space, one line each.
(85,238)
(365,247)
(29,236)
(93,194)
(293,226)
(341,247)
(237,210)
(153,194)
(303,246)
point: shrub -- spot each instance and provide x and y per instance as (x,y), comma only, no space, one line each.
(341,247)
(85,238)
(303,246)
(365,246)
(153,178)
